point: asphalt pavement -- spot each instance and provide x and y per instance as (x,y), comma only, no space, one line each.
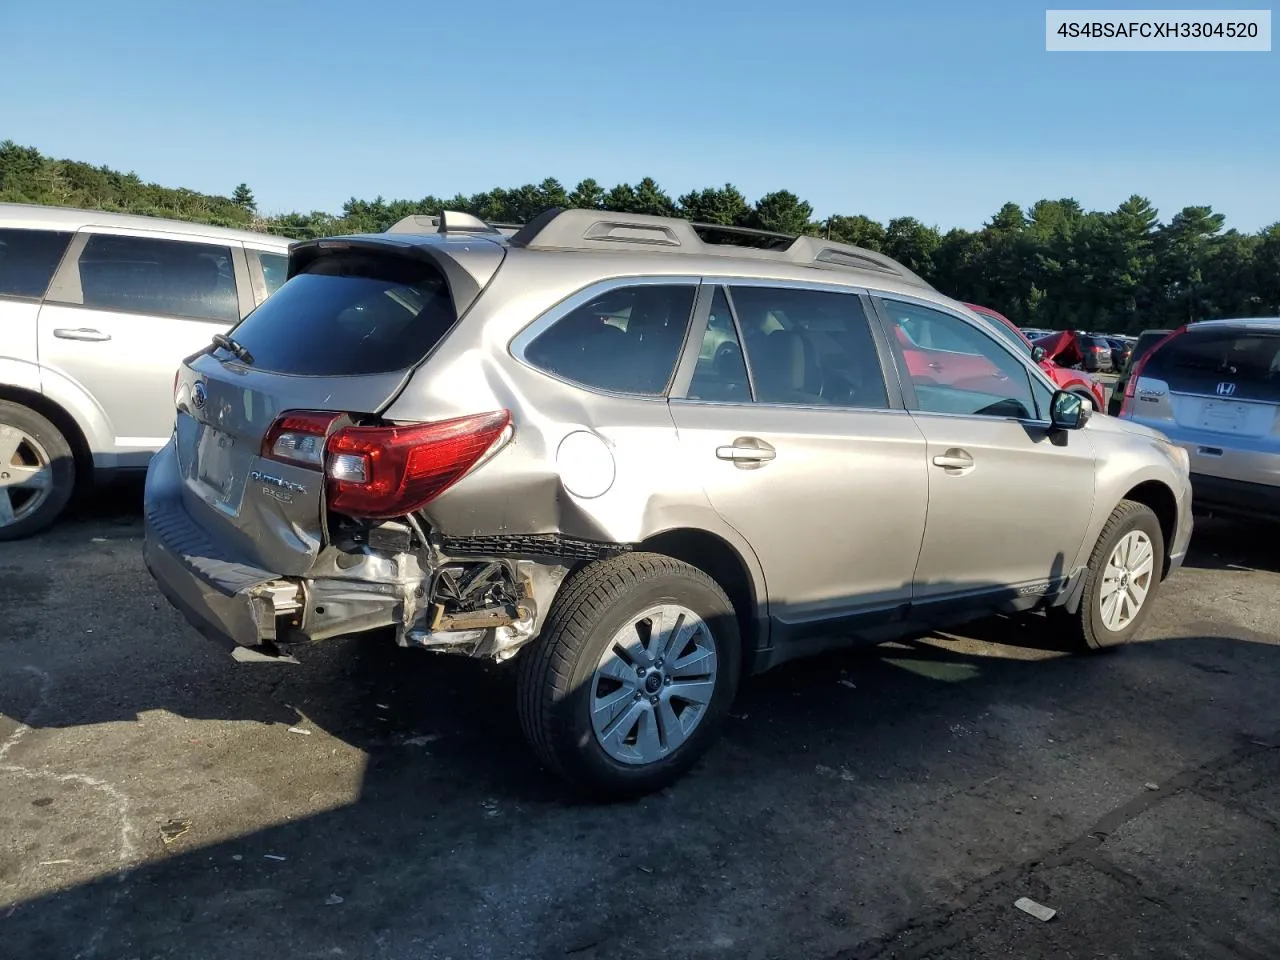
(159,800)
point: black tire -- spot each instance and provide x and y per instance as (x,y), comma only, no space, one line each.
(1085,629)
(555,678)
(62,466)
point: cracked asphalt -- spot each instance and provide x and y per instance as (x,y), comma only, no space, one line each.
(158,800)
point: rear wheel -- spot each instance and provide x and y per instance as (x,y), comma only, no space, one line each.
(632,676)
(37,471)
(1120,582)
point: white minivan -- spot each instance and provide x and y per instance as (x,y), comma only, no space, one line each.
(97,310)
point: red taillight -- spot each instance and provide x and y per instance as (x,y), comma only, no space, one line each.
(384,472)
(298,437)
(1131,386)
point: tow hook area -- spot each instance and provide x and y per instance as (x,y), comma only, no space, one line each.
(481,609)
(277,609)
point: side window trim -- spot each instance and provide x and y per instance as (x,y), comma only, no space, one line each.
(244,291)
(688,362)
(65,287)
(878,299)
(737,332)
(581,297)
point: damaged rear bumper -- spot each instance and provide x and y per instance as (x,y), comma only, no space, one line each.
(228,599)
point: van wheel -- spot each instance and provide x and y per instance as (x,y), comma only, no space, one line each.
(37,472)
(1121,580)
(631,678)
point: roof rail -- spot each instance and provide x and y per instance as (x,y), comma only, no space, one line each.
(572,229)
(449,221)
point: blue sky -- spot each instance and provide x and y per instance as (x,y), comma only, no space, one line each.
(938,110)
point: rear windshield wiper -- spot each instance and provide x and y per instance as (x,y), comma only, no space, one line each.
(226,343)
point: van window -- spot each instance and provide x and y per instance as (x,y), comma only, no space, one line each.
(623,341)
(274,268)
(162,277)
(28,259)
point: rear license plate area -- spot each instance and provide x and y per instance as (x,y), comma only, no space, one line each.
(215,462)
(1223,417)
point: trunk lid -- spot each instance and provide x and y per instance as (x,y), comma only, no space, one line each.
(343,335)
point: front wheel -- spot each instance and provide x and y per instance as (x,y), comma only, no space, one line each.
(1121,580)
(631,678)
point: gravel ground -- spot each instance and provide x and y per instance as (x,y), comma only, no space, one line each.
(159,800)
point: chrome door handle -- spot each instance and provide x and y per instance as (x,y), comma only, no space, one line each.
(81,333)
(953,460)
(935,365)
(747,450)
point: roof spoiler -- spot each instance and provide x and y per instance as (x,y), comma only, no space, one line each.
(450,221)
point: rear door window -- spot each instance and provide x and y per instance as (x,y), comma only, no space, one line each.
(350,314)
(28,259)
(624,341)
(1234,364)
(809,347)
(156,276)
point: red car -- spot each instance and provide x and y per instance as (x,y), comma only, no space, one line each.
(1046,352)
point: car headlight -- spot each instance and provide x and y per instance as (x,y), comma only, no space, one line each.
(1177,454)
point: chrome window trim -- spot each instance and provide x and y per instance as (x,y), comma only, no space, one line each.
(816,408)
(816,285)
(584,295)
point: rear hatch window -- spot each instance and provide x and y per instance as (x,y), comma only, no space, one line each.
(1241,365)
(350,314)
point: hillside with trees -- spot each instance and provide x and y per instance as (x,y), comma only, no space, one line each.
(1053,264)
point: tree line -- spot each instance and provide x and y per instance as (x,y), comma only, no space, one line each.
(1053,265)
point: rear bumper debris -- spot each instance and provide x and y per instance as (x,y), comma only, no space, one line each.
(227,599)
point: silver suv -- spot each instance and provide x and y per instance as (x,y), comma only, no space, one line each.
(1214,388)
(96,312)
(501,446)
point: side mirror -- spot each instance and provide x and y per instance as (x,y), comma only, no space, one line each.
(1069,411)
(1038,354)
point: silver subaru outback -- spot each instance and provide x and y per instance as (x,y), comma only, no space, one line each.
(646,458)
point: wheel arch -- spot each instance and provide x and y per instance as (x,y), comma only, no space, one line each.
(724,563)
(60,418)
(1162,502)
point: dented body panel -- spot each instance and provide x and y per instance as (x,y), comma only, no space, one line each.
(827,538)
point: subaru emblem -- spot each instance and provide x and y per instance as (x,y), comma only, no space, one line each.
(199,396)
(1226,389)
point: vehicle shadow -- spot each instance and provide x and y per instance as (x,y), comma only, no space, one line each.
(1222,543)
(457,843)
(806,831)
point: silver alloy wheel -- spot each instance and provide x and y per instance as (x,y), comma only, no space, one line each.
(1126,581)
(26,474)
(653,684)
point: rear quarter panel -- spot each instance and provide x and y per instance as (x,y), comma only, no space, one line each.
(533,484)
